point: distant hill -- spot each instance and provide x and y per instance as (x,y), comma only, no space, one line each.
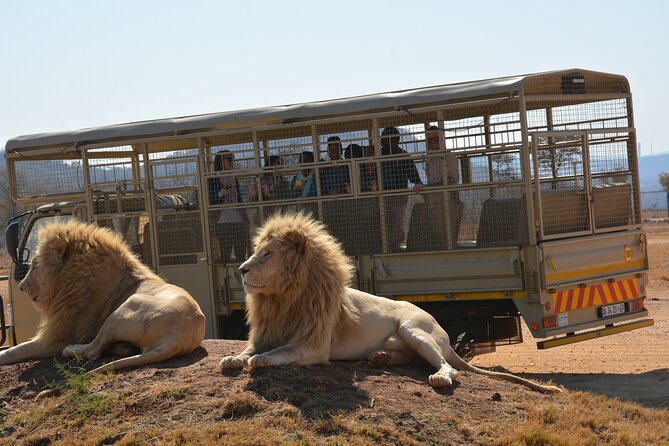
(649,168)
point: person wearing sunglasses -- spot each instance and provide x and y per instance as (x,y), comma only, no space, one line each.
(441,169)
(232,226)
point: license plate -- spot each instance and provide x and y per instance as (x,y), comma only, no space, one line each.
(611,310)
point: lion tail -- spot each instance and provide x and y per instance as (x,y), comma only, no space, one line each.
(460,364)
(154,356)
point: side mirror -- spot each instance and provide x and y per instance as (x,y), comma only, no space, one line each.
(12,240)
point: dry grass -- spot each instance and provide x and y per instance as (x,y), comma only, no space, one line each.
(579,419)
(584,419)
(340,404)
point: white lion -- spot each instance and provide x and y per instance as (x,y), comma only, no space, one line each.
(89,287)
(300,310)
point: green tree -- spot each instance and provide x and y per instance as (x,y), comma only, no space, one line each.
(663,179)
(506,167)
(553,159)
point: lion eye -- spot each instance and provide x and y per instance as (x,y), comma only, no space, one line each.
(266,254)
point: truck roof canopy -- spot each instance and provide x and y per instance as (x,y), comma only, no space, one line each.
(381,102)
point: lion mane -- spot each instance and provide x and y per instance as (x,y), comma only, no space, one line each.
(310,296)
(94,293)
(301,310)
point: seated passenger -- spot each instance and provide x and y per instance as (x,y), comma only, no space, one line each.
(368,176)
(303,185)
(334,178)
(273,185)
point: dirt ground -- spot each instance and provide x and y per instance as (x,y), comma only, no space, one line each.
(632,366)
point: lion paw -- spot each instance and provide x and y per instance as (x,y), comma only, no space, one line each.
(260,361)
(379,358)
(441,379)
(74,351)
(232,362)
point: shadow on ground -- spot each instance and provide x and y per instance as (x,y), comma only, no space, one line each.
(650,389)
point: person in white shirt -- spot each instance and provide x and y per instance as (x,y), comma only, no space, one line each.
(442,169)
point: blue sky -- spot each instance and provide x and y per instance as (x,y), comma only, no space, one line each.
(74,64)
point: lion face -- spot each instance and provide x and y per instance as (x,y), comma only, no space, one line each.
(39,273)
(262,272)
(45,266)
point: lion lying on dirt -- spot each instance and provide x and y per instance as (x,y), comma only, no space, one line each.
(89,287)
(300,310)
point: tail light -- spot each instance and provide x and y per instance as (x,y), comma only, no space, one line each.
(635,305)
(549,322)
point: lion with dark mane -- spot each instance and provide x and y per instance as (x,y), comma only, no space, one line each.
(95,295)
(300,310)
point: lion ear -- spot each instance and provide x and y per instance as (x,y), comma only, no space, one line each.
(298,240)
(60,249)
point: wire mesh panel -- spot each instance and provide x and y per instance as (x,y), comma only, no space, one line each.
(134,224)
(584,191)
(230,231)
(502,220)
(613,201)
(435,222)
(175,170)
(564,208)
(179,237)
(465,133)
(356,224)
(116,191)
(168,206)
(178,225)
(112,168)
(61,176)
(564,189)
(597,114)
(116,180)
(597,109)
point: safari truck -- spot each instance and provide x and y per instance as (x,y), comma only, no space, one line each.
(540,220)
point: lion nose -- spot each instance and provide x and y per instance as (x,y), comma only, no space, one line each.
(243,270)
